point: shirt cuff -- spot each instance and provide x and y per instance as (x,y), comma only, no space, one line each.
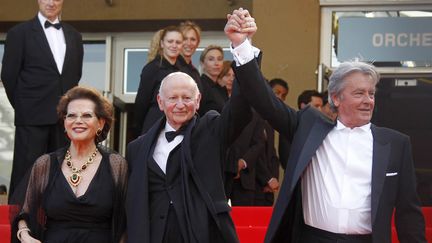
(244,163)
(244,53)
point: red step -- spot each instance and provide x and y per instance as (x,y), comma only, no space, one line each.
(250,222)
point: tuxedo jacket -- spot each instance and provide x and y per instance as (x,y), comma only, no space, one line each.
(268,164)
(30,76)
(393,179)
(204,146)
(248,146)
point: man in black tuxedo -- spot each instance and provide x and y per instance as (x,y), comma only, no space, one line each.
(280,89)
(42,60)
(176,191)
(244,155)
(267,170)
(343,179)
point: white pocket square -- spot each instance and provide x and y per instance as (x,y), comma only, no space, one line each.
(391,174)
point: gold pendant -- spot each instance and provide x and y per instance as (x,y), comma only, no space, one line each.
(75,179)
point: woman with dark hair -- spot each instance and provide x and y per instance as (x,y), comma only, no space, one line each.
(146,108)
(77,193)
(226,77)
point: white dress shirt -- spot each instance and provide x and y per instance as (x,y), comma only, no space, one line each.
(336,186)
(163,147)
(56,41)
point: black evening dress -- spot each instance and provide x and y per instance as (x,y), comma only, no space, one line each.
(82,219)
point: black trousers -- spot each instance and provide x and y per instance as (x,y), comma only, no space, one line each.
(240,196)
(30,143)
(172,230)
(313,235)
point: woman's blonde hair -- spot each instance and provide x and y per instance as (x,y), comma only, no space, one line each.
(155,44)
(189,25)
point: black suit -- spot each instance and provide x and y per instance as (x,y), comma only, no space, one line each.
(267,168)
(202,151)
(34,86)
(283,149)
(248,146)
(307,130)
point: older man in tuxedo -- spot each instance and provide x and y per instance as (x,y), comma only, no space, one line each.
(42,60)
(176,191)
(343,179)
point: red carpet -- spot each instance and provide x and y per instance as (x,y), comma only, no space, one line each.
(251,223)
(4,224)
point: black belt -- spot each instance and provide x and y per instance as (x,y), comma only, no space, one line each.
(366,238)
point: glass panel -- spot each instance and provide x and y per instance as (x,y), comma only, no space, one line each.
(7,130)
(403,104)
(380,16)
(94,66)
(136,58)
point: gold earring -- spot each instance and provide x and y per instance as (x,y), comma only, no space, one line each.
(98,132)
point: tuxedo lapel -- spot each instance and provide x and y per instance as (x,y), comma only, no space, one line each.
(380,161)
(146,147)
(153,166)
(42,40)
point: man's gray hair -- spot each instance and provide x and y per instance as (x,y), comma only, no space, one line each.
(192,82)
(337,78)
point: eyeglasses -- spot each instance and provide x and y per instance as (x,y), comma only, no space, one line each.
(85,117)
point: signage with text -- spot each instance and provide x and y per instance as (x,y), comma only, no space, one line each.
(391,39)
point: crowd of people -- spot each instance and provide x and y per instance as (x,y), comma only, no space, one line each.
(202,142)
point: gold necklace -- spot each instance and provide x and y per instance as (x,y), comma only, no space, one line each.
(75,177)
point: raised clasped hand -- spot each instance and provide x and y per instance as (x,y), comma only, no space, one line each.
(240,25)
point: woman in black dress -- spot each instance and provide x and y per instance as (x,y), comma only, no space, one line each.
(77,193)
(214,96)
(146,110)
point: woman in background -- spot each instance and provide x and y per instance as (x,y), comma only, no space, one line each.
(146,108)
(77,194)
(192,38)
(211,60)
(154,46)
(226,77)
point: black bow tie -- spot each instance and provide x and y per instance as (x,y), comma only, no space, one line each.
(172,134)
(49,24)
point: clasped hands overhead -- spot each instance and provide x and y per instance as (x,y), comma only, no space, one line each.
(240,25)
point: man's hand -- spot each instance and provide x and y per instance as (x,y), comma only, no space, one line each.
(241,165)
(272,185)
(240,25)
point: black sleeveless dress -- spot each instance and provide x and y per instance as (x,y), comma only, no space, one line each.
(83,219)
